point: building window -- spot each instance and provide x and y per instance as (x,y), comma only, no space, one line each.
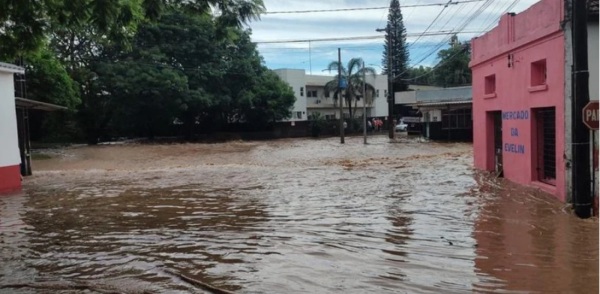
(326,95)
(457,119)
(299,114)
(538,73)
(385,93)
(311,93)
(377,93)
(490,85)
(301,91)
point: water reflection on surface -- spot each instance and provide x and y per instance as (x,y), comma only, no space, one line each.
(290,216)
(528,242)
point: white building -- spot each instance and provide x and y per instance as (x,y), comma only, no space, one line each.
(15,148)
(10,159)
(310,95)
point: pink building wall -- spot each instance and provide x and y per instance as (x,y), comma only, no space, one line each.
(508,52)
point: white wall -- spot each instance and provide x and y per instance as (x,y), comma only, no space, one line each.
(296,78)
(593,59)
(9,141)
(380,106)
(406,97)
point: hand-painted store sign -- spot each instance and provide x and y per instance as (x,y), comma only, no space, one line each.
(514,132)
(514,115)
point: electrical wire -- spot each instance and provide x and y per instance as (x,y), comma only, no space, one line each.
(445,4)
(438,33)
(431,24)
(459,30)
(495,21)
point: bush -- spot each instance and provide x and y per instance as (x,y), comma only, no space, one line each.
(316,124)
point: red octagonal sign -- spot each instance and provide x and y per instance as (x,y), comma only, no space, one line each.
(590,115)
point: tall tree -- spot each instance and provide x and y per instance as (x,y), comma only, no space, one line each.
(178,70)
(396,34)
(25,25)
(355,84)
(453,68)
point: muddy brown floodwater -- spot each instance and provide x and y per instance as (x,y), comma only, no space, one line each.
(288,216)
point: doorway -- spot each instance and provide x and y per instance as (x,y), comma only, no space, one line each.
(546,144)
(496,117)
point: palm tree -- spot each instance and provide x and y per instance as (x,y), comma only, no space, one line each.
(353,75)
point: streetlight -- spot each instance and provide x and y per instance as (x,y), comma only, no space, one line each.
(390,97)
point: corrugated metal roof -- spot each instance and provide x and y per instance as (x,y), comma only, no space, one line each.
(7,67)
(422,104)
(444,95)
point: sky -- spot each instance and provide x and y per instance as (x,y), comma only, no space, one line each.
(468,18)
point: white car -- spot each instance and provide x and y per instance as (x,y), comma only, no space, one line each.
(401,127)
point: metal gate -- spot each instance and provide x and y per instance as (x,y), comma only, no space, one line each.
(498,161)
(547,117)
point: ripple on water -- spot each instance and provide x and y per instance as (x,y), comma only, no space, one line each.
(291,216)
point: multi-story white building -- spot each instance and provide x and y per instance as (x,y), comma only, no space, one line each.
(310,96)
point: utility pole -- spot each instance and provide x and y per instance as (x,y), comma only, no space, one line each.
(581,174)
(390,84)
(390,73)
(340,99)
(364,103)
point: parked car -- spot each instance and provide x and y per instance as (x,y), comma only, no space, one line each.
(401,127)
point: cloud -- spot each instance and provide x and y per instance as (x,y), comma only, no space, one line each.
(359,23)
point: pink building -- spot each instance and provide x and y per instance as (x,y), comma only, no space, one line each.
(521,81)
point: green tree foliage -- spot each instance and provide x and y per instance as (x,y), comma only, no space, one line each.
(269,101)
(242,85)
(453,68)
(419,75)
(142,67)
(317,124)
(180,71)
(353,75)
(396,33)
(48,81)
(26,25)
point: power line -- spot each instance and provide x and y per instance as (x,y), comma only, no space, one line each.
(431,24)
(445,4)
(495,21)
(460,30)
(439,33)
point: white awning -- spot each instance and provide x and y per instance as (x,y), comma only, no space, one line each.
(32,104)
(11,68)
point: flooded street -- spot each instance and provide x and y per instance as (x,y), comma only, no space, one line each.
(287,216)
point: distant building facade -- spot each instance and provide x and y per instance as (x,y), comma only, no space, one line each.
(521,97)
(443,113)
(310,96)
